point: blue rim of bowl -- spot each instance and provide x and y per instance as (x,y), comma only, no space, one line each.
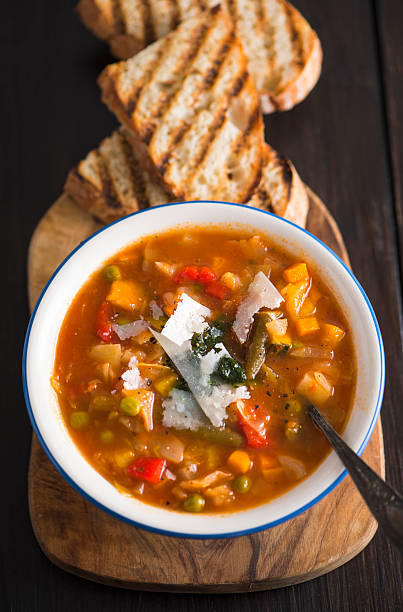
(198,536)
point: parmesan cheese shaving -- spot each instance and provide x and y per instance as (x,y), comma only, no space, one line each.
(129,330)
(261,294)
(188,318)
(131,378)
(212,396)
(182,411)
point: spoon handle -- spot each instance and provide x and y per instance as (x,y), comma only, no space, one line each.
(385,503)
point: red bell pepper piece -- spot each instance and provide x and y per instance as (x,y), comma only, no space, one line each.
(252,422)
(103,323)
(206,275)
(218,290)
(188,273)
(147,468)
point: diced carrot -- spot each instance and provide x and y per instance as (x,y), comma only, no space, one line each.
(332,334)
(307,309)
(239,461)
(296,273)
(126,294)
(307,326)
(314,294)
(295,294)
(286,290)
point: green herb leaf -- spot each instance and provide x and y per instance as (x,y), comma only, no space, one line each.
(230,370)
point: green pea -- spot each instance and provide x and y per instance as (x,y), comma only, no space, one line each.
(107,436)
(112,273)
(194,503)
(292,430)
(130,406)
(242,484)
(79,419)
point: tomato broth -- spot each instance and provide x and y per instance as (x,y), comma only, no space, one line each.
(185,365)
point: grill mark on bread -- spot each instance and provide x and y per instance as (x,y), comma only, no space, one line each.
(118,18)
(214,129)
(182,67)
(207,83)
(253,118)
(232,9)
(148,75)
(108,190)
(175,20)
(287,172)
(137,178)
(219,120)
(203,111)
(294,35)
(149,34)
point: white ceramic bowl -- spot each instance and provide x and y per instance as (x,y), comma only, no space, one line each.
(42,335)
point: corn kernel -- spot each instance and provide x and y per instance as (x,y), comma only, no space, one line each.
(230,280)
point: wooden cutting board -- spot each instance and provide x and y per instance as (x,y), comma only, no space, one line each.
(82,539)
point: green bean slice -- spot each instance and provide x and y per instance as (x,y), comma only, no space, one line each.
(228,437)
(257,348)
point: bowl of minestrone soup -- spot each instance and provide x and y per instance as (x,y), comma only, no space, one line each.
(170,360)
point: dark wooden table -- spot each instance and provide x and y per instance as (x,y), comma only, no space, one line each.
(346,140)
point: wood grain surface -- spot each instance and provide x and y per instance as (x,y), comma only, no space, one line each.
(82,539)
(346,141)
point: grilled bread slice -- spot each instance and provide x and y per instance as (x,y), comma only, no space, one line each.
(283,52)
(192,110)
(281,189)
(111,183)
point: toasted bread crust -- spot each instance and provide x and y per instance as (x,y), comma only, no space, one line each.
(192,86)
(297,90)
(283,52)
(111,183)
(281,189)
(99,22)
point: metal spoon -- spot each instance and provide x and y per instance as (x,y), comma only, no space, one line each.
(385,503)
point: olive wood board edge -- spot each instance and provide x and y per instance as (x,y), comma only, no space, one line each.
(81,539)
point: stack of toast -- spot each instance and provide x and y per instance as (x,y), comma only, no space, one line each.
(190,104)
